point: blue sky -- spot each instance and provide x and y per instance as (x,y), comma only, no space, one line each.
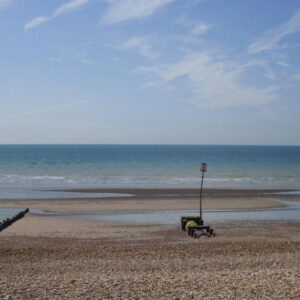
(150,72)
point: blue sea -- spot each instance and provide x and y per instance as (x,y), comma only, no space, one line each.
(26,167)
(32,171)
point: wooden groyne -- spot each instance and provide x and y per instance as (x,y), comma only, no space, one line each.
(9,221)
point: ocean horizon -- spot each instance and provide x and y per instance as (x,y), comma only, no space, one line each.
(148,166)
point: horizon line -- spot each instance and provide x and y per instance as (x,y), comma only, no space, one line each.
(140,144)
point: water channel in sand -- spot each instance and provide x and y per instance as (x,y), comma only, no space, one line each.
(291,212)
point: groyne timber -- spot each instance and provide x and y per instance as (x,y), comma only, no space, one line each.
(9,221)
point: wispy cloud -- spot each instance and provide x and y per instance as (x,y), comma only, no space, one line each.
(142,45)
(296,77)
(282,63)
(268,73)
(55,59)
(201,28)
(4,3)
(36,21)
(69,6)
(125,10)
(196,28)
(271,38)
(77,53)
(63,9)
(214,82)
(282,60)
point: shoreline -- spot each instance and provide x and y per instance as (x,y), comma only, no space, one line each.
(66,257)
(62,226)
(157,200)
(180,192)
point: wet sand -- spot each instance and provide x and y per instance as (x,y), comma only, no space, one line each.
(157,199)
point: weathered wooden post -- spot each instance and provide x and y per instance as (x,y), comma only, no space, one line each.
(9,221)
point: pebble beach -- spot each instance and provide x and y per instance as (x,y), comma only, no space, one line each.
(162,263)
(55,257)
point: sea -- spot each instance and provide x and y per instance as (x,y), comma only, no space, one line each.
(33,171)
(149,166)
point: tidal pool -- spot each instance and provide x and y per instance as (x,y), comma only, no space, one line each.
(291,212)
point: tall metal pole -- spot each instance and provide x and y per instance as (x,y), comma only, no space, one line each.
(201,195)
(203,170)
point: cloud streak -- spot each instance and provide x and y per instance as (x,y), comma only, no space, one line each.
(63,9)
(142,45)
(4,3)
(196,28)
(201,28)
(36,21)
(125,10)
(296,77)
(214,83)
(271,38)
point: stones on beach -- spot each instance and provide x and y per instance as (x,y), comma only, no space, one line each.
(151,269)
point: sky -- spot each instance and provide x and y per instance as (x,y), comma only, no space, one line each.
(150,72)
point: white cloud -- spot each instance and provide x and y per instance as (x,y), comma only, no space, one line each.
(56,59)
(142,45)
(201,28)
(63,9)
(213,82)
(296,77)
(69,6)
(273,37)
(4,3)
(282,63)
(263,64)
(78,53)
(125,10)
(196,28)
(282,60)
(36,21)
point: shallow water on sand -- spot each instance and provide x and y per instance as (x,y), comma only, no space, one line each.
(11,194)
(8,213)
(289,213)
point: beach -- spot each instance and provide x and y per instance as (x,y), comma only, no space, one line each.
(60,257)
(149,150)
(95,261)
(155,200)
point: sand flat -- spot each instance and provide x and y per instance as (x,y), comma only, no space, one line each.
(62,227)
(69,206)
(156,199)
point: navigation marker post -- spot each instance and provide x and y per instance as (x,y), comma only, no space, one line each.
(194,224)
(203,170)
